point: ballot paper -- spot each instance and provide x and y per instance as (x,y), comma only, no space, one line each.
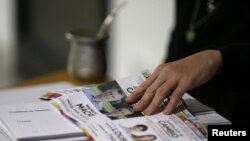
(204,113)
(35,121)
(74,114)
(101,112)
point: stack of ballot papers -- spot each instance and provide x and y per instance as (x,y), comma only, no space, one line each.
(204,113)
(25,117)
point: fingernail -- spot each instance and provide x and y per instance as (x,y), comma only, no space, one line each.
(138,106)
(146,112)
(166,112)
(149,111)
(127,99)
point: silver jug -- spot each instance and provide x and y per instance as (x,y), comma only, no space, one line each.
(87,59)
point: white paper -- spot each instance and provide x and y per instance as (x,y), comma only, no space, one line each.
(212,118)
(160,127)
(37,121)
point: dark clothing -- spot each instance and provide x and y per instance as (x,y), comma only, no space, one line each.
(228,30)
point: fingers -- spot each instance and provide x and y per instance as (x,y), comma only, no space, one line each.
(161,93)
(138,93)
(148,95)
(175,98)
(168,79)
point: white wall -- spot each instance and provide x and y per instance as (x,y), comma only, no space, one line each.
(139,36)
(7,42)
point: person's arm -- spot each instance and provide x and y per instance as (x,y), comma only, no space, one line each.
(235,70)
(175,78)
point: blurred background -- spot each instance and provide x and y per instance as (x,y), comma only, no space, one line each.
(32,40)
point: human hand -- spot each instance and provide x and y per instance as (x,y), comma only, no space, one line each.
(174,79)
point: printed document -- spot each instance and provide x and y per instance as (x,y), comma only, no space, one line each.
(34,121)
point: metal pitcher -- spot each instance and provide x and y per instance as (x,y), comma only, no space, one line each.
(87,59)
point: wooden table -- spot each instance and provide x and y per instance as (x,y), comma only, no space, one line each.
(56,77)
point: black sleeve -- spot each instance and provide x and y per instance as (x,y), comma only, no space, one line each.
(235,69)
